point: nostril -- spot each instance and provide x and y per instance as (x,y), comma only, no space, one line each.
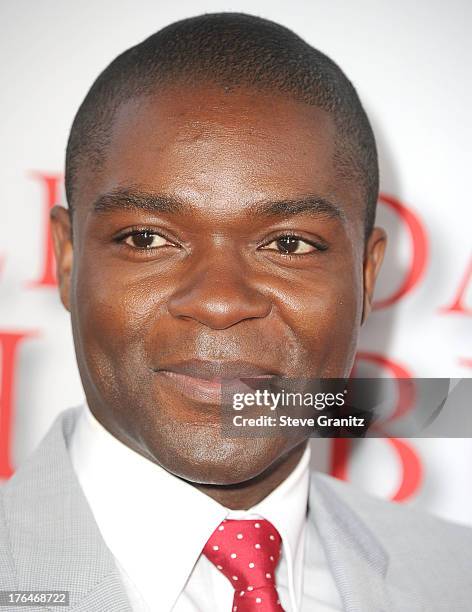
(220,307)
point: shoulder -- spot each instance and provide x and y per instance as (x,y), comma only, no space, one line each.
(413,559)
(7,569)
(401,529)
(48,535)
(381,512)
(44,479)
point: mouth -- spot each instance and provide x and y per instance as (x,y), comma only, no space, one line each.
(205,381)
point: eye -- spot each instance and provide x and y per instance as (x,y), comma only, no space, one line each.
(146,240)
(292,245)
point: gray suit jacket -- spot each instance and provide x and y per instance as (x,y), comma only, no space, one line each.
(383,556)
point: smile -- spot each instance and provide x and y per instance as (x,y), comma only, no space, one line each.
(206,382)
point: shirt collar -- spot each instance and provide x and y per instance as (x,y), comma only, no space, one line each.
(152,521)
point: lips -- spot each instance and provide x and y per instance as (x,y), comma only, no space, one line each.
(203,381)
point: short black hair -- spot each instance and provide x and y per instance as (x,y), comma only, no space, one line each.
(228,49)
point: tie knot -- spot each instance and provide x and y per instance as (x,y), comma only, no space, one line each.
(247,553)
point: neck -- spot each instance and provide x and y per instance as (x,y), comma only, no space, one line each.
(244,495)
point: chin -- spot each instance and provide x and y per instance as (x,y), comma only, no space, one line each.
(222,461)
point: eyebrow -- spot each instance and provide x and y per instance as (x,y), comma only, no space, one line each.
(312,205)
(126,199)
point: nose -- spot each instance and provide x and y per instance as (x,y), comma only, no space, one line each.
(218,294)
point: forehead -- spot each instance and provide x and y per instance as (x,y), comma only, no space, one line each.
(218,147)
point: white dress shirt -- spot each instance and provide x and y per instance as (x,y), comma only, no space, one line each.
(156,526)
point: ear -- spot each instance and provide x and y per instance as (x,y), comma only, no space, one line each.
(374,254)
(61,229)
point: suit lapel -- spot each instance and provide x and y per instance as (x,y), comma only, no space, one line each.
(55,541)
(356,558)
(107,596)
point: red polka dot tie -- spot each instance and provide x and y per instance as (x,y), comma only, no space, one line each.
(247,553)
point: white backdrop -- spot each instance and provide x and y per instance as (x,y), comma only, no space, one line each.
(411,65)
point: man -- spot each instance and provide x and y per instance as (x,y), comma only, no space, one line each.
(221,179)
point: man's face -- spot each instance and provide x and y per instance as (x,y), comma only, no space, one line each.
(218,241)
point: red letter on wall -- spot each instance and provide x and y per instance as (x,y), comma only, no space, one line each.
(458,304)
(411,468)
(9,344)
(51,184)
(419,244)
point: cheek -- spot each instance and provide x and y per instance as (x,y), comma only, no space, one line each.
(324,315)
(113,311)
